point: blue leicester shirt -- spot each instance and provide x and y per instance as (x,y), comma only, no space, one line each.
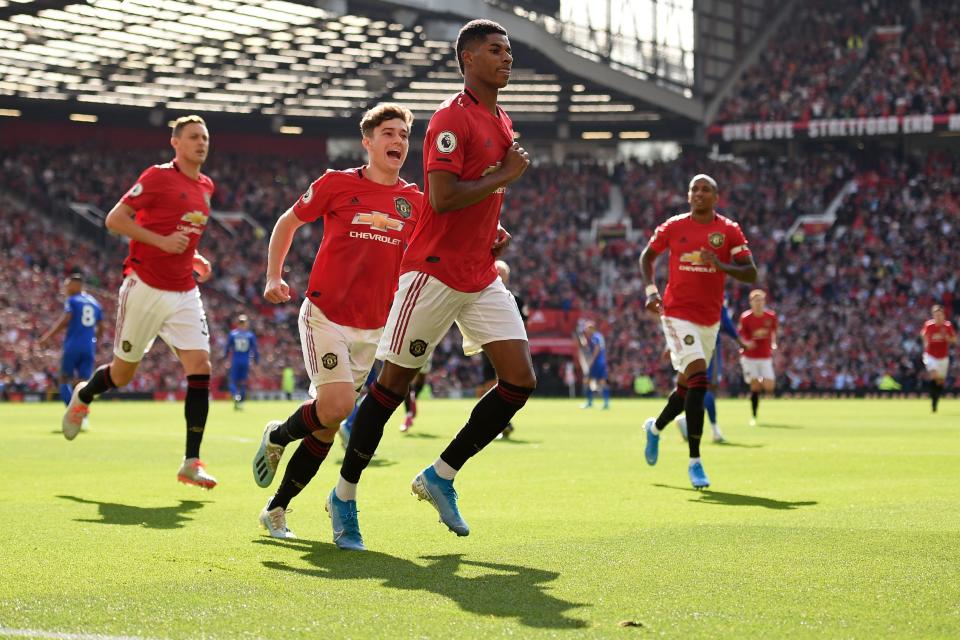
(243,344)
(85,313)
(596,340)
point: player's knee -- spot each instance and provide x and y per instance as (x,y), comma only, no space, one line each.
(526,379)
(334,410)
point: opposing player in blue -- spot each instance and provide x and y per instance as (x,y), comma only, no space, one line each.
(243,344)
(81,317)
(597,364)
(714,376)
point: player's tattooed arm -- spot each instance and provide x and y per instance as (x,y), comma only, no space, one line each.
(449,193)
(276,289)
(654,303)
(742,271)
(121,219)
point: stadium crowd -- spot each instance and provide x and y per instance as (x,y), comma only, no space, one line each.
(822,287)
(847,60)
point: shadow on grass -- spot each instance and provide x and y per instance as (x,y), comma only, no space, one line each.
(151,518)
(421,435)
(512,440)
(502,591)
(739,445)
(764,425)
(739,500)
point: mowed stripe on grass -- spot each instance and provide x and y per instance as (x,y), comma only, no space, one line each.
(836,518)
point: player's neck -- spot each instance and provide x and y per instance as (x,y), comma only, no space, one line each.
(374,173)
(486,95)
(703,217)
(187,168)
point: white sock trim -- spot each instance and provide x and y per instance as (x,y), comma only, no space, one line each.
(694,461)
(444,470)
(345,490)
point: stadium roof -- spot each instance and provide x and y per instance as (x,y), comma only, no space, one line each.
(287,63)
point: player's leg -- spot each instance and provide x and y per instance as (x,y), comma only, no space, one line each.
(489,321)
(709,400)
(423,310)
(589,384)
(67,369)
(140,314)
(232,385)
(605,389)
(756,386)
(243,374)
(185,331)
(652,427)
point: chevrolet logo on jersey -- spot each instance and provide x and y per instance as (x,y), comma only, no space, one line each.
(378,221)
(693,257)
(197,218)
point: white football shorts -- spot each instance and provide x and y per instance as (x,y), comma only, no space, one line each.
(757,369)
(424,308)
(936,366)
(144,312)
(688,341)
(332,352)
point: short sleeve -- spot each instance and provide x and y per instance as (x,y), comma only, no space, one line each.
(446,141)
(661,238)
(142,194)
(315,201)
(738,243)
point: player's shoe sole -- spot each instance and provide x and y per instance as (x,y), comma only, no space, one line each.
(267,458)
(75,414)
(440,494)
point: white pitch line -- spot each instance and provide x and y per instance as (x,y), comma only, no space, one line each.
(39,633)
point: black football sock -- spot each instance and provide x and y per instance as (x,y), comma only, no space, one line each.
(299,425)
(416,389)
(489,418)
(935,389)
(408,400)
(754,402)
(675,404)
(195,409)
(367,430)
(99,382)
(697,389)
(301,468)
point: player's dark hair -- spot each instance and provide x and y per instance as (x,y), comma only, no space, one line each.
(379,114)
(77,277)
(183,121)
(472,32)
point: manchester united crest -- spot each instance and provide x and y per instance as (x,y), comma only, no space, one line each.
(329,360)
(716,239)
(418,348)
(688,340)
(403,206)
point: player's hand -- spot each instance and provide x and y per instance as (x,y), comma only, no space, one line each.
(201,266)
(709,257)
(175,243)
(655,304)
(665,355)
(515,162)
(276,291)
(748,344)
(502,242)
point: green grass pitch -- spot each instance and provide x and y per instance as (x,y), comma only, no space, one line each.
(837,519)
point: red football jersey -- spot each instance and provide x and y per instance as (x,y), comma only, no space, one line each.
(365,228)
(936,338)
(455,247)
(166,200)
(695,289)
(759,330)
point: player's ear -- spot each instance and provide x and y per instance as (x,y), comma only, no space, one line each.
(365,141)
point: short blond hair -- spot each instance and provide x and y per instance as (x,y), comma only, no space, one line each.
(183,121)
(758,293)
(379,114)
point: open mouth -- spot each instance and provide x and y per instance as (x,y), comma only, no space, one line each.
(393,153)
